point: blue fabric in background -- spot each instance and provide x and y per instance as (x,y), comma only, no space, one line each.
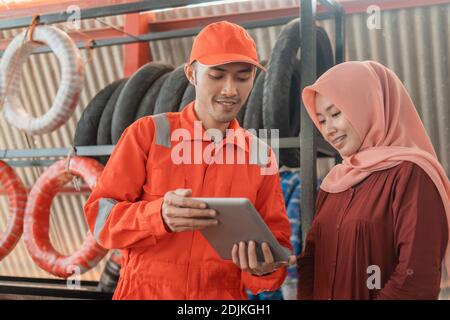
(269,295)
(293,212)
(291,186)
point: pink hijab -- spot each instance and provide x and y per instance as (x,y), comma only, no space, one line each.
(379,108)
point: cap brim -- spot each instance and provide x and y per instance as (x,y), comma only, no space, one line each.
(216,60)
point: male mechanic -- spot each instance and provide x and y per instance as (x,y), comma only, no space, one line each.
(142,203)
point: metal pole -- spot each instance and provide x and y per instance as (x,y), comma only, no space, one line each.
(180,33)
(339,15)
(340,36)
(80,151)
(165,35)
(104,11)
(308,174)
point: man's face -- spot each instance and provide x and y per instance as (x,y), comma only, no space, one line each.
(221,90)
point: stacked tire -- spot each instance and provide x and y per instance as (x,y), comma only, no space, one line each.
(281,94)
(156,87)
(122,102)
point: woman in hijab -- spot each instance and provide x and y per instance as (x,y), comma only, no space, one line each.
(382,215)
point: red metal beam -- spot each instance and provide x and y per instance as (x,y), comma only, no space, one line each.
(137,54)
(196,22)
(97,34)
(350,6)
(24,9)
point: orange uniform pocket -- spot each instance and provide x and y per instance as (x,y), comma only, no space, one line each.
(161,180)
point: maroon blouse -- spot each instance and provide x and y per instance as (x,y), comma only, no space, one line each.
(384,238)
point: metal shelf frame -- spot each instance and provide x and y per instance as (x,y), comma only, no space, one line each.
(308,135)
(32,288)
(165,35)
(308,132)
(310,145)
(179,33)
(103,11)
(43,157)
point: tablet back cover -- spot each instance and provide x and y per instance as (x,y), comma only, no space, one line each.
(240,221)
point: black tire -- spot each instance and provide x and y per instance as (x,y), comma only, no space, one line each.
(250,115)
(241,115)
(253,115)
(294,101)
(325,55)
(86,131)
(277,88)
(188,96)
(104,126)
(291,157)
(132,94)
(147,105)
(278,84)
(280,72)
(110,275)
(172,91)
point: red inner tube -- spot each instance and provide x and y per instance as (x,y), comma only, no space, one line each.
(37,217)
(17,198)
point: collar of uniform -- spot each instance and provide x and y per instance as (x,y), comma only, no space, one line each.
(188,117)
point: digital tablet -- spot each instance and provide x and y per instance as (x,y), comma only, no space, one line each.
(240,221)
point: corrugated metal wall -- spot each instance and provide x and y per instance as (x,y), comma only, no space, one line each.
(412,42)
(415,44)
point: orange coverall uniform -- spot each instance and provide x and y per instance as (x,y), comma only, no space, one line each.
(124,212)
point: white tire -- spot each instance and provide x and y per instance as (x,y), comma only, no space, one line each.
(68,93)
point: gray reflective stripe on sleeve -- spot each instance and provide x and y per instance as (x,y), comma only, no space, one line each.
(105,206)
(162,127)
(259,152)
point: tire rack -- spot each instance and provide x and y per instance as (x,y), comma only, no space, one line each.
(310,143)
(308,133)
(13,288)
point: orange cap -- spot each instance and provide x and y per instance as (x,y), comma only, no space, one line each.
(224,42)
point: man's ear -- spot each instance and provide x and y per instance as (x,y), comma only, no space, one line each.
(189,70)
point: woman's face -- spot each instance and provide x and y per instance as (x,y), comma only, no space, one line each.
(336,128)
